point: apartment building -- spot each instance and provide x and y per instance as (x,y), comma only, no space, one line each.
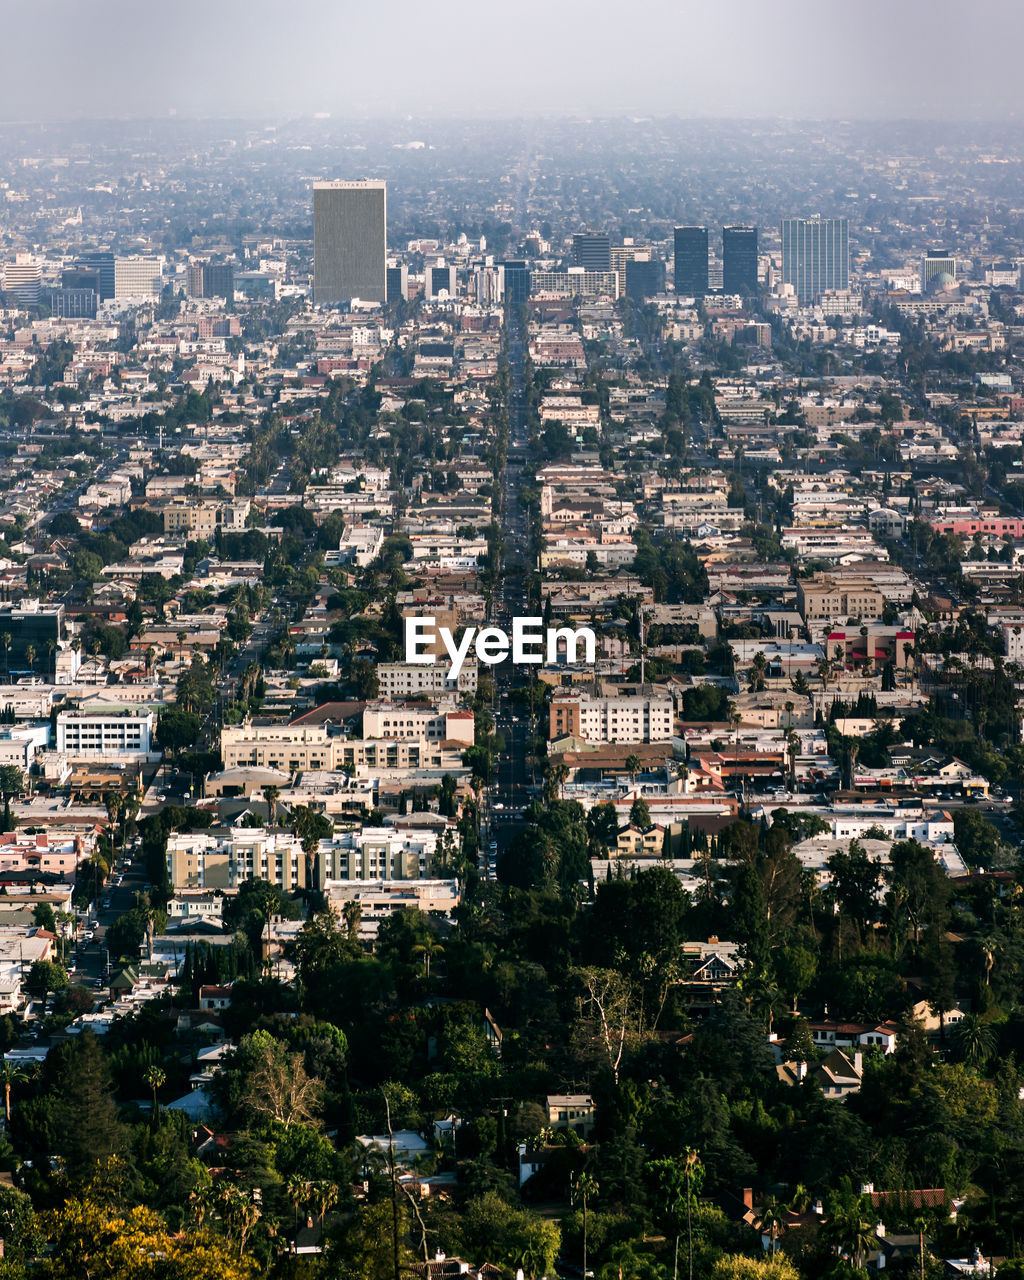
(377,900)
(414,721)
(96,736)
(203,519)
(638,717)
(822,598)
(224,858)
(377,853)
(397,753)
(406,679)
(292,748)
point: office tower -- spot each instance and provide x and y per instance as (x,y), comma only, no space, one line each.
(30,623)
(438,279)
(624,253)
(349,242)
(23,279)
(739,259)
(592,251)
(691,261)
(398,282)
(138,277)
(815,256)
(81,278)
(103,262)
(72,304)
(645,277)
(517,282)
(219,280)
(210,280)
(938,270)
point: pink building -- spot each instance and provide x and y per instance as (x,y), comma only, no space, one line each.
(992,526)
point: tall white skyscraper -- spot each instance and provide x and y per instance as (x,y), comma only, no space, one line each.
(22,279)
(349,241)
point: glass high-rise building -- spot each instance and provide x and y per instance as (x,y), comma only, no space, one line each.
(592,250)
(517,282)
(739,259)
(349,241)
(102,261)
(691,261)
(645,277)
(815,256)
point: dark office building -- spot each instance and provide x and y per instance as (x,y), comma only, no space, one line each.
(592,251)
(691,261)
(644,279)
(80,278)
(73,304)
(398,283)
(210,280)
(219,280)
(517,283)
(102,262)
(31,624)
(739,259)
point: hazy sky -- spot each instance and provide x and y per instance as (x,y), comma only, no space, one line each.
(944,59)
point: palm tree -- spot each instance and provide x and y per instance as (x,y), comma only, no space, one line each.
(428,950)
(557,775)
(9,1075)
(975,1040)
(323,1196)
(241,1210)
(586,1185)
(297,1190)
(156,1078)
(201,1203)
(692,1168)
(921,1222)
(30,657)
(271,794)
(623,1263)
(633,767)
(772,1220)
(846,1227)
(181,637)
(51,649)
(5,644)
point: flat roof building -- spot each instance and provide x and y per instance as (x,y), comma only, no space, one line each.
(349,242)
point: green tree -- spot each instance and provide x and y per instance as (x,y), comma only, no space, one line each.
(45,976)
(640,814)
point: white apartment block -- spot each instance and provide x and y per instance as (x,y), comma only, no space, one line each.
(225,858)
(97,736)
(377,853)
(619,718)
(409,721)
(291,748)
(404,679)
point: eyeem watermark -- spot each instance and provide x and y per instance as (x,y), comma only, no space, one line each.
(530,641)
